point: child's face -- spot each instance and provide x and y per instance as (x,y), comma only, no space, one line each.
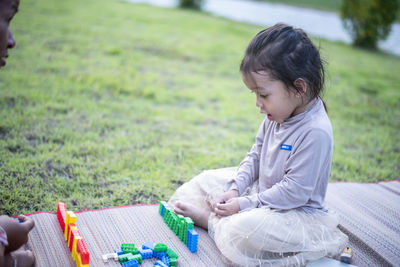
(272,96)
(8,8)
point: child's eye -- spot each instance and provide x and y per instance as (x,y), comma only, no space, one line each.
(263,96)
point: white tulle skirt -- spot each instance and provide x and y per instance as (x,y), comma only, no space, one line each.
(263,236)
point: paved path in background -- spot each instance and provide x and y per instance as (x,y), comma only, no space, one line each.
(327,25)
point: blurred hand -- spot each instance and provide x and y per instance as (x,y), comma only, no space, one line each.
(225,197)
(228,208)
(26,221)
(17,232)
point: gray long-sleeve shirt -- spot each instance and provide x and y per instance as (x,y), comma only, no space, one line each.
(290,160)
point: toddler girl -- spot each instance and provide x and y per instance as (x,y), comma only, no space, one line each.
(270,210)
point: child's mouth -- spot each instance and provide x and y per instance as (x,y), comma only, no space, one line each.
(269,116)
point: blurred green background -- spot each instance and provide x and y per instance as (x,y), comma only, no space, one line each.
(107,103)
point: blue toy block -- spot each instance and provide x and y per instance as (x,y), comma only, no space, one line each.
(146,253)
(159,255)
(160,263)
(119,251)
(131,263)
(165,260)
(192,239)
(148,245)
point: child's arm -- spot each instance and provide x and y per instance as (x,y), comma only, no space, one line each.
(306,175)
(17,232)
(248,169)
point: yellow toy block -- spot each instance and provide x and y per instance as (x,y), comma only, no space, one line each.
(72,226)
(75,254)
(71,218)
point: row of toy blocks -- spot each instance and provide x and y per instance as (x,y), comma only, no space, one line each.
(179,224)
(76,245)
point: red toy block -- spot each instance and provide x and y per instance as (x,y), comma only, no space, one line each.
(70,227)
(61,215)
(74,234)
(83,251)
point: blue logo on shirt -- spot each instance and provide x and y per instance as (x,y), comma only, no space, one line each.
(286,147)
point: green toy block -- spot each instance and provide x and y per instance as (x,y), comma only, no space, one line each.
(129,248)
(137,257)
(160,247)
(173,262)
(130,257)
(189,222)
(171,254)
(124,257)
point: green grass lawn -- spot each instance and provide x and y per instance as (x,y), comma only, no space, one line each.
(107,103)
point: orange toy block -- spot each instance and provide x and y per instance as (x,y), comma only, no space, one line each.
(83,252)
(61,215)
(71,218)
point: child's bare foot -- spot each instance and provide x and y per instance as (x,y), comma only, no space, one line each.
(199,216)
(23,258)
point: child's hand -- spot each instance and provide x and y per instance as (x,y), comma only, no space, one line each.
(228,208)
(26,221)
(225,197)
(17,232)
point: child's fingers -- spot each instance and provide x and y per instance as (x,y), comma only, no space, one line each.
(220,212)
(26,221)
(178,210)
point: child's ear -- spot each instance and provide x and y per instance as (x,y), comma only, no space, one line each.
(301,86)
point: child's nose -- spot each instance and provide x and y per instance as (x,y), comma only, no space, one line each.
(258,103)
(10,39)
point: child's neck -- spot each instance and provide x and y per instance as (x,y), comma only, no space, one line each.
(304,107)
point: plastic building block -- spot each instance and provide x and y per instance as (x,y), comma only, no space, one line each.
(119,251)
(83,251)
(137,257)
(161,209)
(61,215)
(69,235)
(159,255)
(131,263)
(146,253)
(172,262)
(108,256)
(347,255)
(129,248)
(160,263)
(165,260)
(171,254)
(160,247)
(74,243)
(70,218)
(148,245)
(124,257)
(192,239)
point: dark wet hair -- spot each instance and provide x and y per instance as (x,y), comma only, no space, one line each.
(286,54)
